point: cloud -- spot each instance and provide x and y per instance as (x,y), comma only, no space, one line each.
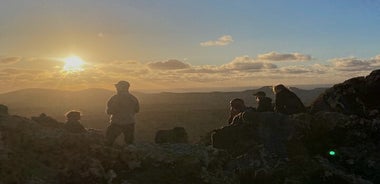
(10,59)
(354,64)
(247,63)
(295,70)
(206,69)
(17,71)
(313,69)
(174,73)
(375,62)
(222,41)
(43,62)
(275,56)
(172,64)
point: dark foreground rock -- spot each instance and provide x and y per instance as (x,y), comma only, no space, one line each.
(32,153)
(260,153)
(273,148)
(359,96)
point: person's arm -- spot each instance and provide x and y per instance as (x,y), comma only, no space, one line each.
(233,113)
(137,104)
(111,106)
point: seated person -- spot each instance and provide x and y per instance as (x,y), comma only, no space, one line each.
(264,103)
(237,107)
(73,124)
(286,101)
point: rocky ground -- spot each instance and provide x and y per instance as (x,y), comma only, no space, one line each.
(32,153)
(333,144)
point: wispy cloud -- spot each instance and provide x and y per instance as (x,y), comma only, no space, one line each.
(10,60)
(171,64)
(222,41)
(248,63)
(355,64)
(275,56)
(297,69)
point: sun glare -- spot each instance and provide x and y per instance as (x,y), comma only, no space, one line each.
(73,64)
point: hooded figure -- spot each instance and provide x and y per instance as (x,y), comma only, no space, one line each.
(286,101)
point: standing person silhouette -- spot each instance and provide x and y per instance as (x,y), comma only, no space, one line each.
(122,108)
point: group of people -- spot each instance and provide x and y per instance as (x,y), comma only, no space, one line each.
(286,102)
(123,106)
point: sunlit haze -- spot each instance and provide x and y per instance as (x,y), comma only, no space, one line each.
(73,64)
(195,45)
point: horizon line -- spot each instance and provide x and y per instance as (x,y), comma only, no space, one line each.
(186,90)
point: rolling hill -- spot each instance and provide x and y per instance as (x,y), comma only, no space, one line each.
(197,112)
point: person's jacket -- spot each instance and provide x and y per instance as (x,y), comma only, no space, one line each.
(288,103)
(74,127)
(122,107)
(264,104)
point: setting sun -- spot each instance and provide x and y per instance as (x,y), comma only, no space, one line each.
(73,64)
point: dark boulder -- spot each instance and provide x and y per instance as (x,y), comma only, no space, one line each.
(372,99)
(358,96)
(175,135)
(47,121)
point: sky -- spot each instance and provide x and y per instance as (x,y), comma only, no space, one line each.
(198,45)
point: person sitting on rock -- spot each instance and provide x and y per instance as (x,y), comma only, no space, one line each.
(73,124)
(237,107)
(264,104)
(286,101)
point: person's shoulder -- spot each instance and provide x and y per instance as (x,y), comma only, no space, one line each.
(268,99)
(114,96)
(133,97)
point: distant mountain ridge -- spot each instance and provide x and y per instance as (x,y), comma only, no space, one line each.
(95,97)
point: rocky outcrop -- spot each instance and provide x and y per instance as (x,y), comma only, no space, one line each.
(47,121)
(273,149)
(357,96)
(326,147)
(32,153)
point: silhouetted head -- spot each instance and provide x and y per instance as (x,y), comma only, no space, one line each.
(260,94)
(278,88)
(3,110)
(122,86)
(73,115)
(238,104)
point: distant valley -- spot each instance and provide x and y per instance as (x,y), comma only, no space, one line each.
(197,112)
